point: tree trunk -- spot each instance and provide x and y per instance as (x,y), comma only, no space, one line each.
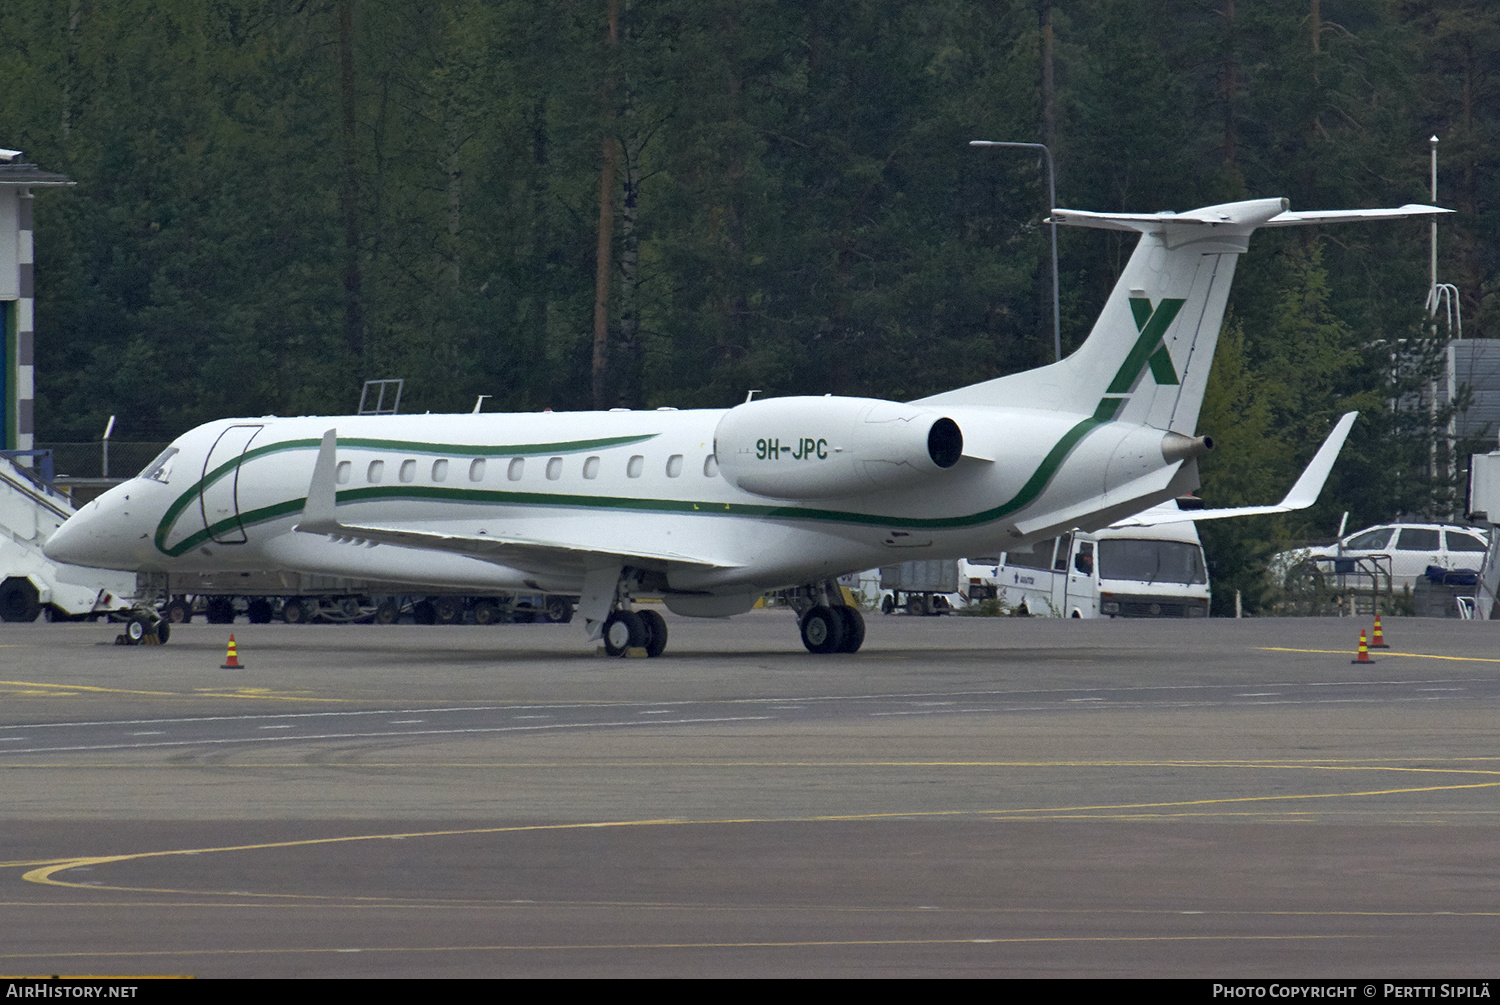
(602,273)
(354,315)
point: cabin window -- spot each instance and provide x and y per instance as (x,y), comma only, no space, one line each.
(476,470)
(674,466)
(554,469)
(375,472)
(342,472)
(636,465)
(710,466)
(1038,556)
(517,469)
(440,470)
(408,470)
(591,468)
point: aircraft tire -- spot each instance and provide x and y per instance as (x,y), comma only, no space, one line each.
(822,630)
(19,600)
(854,629)
(623,630)
(656,632)
(136,630)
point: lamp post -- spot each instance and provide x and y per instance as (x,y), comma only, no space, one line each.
(1051,205)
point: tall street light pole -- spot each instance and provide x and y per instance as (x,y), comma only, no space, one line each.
(1051,205)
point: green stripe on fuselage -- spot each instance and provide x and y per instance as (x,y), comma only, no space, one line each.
(1033,488)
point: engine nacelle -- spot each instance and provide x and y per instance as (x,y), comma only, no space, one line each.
(812,448)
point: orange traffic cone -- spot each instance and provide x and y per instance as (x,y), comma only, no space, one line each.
(232,660)
(1364,650)
(1378,642)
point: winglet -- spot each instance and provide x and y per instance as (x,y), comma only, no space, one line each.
(1305,492)
(318,516)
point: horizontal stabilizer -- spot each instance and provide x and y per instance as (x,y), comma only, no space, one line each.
(1253,214)
(1302,495)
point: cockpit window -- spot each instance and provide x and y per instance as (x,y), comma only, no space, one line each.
(160,470)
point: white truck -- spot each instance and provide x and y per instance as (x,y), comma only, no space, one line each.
(1119,572)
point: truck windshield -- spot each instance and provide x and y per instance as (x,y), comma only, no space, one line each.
(1152,561)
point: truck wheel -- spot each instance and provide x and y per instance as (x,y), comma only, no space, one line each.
(887,604)
(449,610)
(387,613)
(220,611)
(424,613)
(259,611)
(19,600)
(178,611)
(294,611)
(559,610)
(486,612)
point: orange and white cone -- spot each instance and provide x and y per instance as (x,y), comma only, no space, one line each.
(1364,650)
(232,660)
(1378,642)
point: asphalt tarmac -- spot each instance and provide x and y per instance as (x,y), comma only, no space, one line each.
(964,797)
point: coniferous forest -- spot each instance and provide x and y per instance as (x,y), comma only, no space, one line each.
(597,203)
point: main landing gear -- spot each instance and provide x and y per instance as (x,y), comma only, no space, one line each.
(829,625)
(609,616)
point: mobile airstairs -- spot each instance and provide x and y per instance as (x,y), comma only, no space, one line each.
(30,510)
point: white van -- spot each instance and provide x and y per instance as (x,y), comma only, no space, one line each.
(1125,572)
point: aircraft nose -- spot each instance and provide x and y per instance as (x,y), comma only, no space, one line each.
(74,542)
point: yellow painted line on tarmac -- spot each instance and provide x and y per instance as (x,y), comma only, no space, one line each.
(616,946)
(1375,655)
(237,693)
(44,874)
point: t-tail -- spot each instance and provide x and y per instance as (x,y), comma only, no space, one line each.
(1147,359)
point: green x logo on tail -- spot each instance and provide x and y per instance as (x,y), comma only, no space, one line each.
(1148,349)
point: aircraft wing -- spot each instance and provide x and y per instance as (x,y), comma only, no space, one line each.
(319,516)
(1302,495)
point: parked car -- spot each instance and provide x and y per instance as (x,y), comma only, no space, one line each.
(1409,548)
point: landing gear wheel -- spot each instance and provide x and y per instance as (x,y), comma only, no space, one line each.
(656,632)
(854,629)
(19,600)
(135,630)
(294,612)
(178,611)
(822,630)
(623,630)
(559,610)
(259,611)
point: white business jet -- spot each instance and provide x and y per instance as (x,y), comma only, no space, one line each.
(711,508)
